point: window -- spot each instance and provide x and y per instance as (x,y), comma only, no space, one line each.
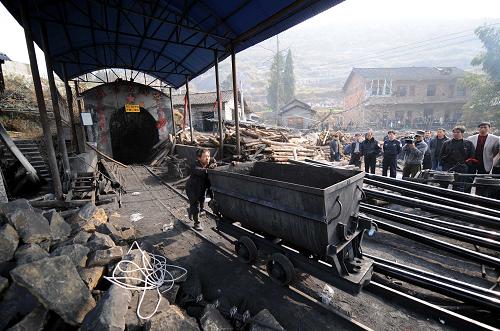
(381,87)
(431,90)
(451,91)
(461,90)
(401,91)
(412,91)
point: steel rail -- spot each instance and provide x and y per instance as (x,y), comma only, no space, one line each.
(455,234)
(433,242)
(433,198)
(439,191)
(356,324)
(493,235)
(428,309)
(465,215)
(447,286)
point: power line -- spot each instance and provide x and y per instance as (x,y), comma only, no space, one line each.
(417,45)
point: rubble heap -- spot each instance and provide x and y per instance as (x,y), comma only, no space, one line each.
(52,277)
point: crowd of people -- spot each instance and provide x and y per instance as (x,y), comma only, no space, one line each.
(477,154)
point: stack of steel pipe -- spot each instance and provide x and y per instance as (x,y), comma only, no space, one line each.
(450,287)
(478,200)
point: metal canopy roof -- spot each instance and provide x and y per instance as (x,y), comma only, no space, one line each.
(170,40)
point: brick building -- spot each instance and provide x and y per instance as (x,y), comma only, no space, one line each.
(204,108)
(296,114)
(410,97)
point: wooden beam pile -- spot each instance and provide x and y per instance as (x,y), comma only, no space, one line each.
(258,143)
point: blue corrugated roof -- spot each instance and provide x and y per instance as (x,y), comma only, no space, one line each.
(166,39)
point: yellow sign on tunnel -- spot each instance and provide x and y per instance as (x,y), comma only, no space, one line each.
(131,108)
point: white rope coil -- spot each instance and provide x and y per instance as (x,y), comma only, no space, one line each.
(153,273)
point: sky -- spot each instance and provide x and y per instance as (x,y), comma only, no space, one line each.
(358,11)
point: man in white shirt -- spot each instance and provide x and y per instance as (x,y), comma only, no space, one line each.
(487,147)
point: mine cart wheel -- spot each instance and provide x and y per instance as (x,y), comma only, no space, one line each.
(280,269)
(246,250)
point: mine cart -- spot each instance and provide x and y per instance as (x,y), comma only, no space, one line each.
(302,216)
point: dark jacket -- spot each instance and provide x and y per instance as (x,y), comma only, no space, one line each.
(198,182)
(353,147)
(436,145)
(455,152)
(392,148)
(334,147)
(369,147)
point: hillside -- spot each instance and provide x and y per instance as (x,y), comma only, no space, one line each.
(325,53)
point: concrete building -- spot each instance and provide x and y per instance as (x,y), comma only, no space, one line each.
(410,97)
(296,114)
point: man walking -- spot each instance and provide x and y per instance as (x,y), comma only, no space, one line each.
(435,147)
(487,147)
(391,149)
(370,150)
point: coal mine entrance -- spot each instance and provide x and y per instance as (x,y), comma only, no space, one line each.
(133,134)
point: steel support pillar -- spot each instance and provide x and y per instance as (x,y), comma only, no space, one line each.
(51,154)
(172,111)
(55,101)
(235,97)
(78,139)
(219,114)
(189,110)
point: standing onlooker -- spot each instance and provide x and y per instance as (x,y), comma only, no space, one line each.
(487,147)
(370,150)
(456,151)
(412,157)
(427,162)
(420,143)
(496,163)
(356,151)
(391,149)
(435,147)
(335,148)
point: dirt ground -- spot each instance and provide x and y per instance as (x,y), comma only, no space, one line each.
(163,225)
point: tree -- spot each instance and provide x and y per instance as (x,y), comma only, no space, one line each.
(490,58)
(275,85)
(288,79)
(485,88)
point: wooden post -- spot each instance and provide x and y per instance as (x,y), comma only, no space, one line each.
(219,114)
(189,110)
(235,97)
(172,110)
(51,154)
(75,120)
(55,100)
(2,82)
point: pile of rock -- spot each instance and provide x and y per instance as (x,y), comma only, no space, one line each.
(50,267)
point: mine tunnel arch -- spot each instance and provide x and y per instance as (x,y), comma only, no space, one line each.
(133,134)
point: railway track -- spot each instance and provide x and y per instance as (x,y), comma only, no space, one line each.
(426,308)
